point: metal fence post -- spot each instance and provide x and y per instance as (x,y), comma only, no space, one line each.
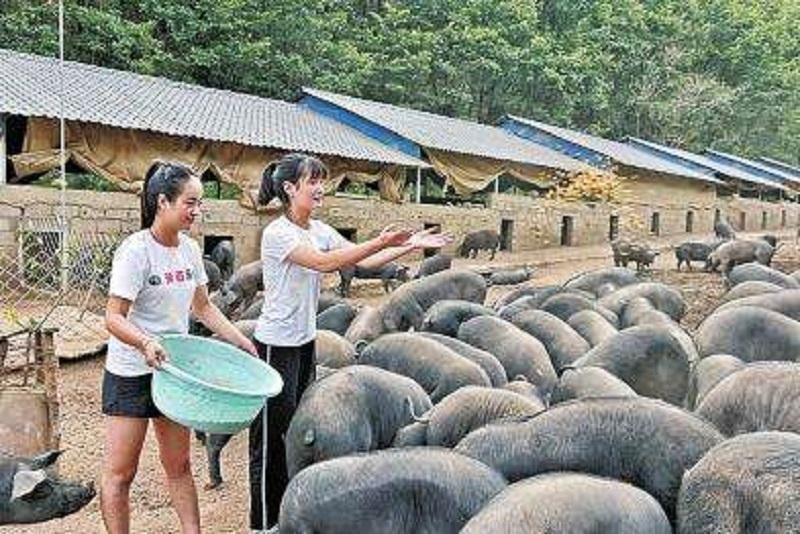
(3,177)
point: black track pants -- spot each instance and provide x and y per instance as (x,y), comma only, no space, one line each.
(268,476)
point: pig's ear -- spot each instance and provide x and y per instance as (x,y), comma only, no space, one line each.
(45,459)
(25,481)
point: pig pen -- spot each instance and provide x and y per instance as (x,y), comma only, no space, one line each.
(226,509)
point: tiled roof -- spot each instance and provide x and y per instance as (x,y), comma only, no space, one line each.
(30,85)
(703,161)
(618,152)
(429,130)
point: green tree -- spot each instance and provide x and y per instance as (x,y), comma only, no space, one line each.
(695,73)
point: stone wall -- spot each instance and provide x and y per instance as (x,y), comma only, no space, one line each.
(665,191)
(112,213)
(537,223)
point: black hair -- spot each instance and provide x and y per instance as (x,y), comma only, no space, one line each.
(290,168)
(165,179)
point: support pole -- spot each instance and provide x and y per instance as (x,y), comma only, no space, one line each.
(62,129)
(46,364)
(419,185)
(3,355)
(497,185)
(3,177)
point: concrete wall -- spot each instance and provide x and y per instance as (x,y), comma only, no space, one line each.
(537,223)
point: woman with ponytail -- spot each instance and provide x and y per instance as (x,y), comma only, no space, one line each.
(295,250)
(157,277)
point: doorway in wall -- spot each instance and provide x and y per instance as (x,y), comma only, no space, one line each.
(567,228)
(506,234)
(689,222)
(348,233)
(211,241)
(613,227)
(428,252)
(655,224)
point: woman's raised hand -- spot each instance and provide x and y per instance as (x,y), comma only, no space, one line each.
(429,239)
(394,235)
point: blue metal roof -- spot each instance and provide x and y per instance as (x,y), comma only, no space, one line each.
(366,127)
(780,165)
(702,162)
(753,167)
(410,129)
(594,149)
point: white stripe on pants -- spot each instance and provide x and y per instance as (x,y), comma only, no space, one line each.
(264,457)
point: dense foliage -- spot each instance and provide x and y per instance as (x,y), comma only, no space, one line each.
(694,73)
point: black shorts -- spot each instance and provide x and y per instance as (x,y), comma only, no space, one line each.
(128,396)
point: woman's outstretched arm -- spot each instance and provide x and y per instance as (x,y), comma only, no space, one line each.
(334,260)
(418,241)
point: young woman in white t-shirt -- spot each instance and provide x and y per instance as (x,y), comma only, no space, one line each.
(157,276)
(295,251)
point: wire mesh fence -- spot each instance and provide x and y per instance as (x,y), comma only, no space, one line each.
(56,276)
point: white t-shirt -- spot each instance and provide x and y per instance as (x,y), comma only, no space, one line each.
(160,282)
(289,314)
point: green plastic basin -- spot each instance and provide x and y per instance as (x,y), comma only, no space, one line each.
(210,385)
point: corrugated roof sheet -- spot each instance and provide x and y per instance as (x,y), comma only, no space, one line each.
(619,152)
(30,86)
(703,161)
(782,165)
(778,174)
(450,134)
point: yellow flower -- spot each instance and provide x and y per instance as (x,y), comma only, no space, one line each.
(11,315)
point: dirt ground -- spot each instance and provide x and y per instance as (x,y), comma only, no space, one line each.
(226,509)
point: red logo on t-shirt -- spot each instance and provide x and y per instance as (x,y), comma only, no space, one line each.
(179,275)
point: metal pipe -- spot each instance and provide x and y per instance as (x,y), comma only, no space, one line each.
(62,151)
(3,177)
